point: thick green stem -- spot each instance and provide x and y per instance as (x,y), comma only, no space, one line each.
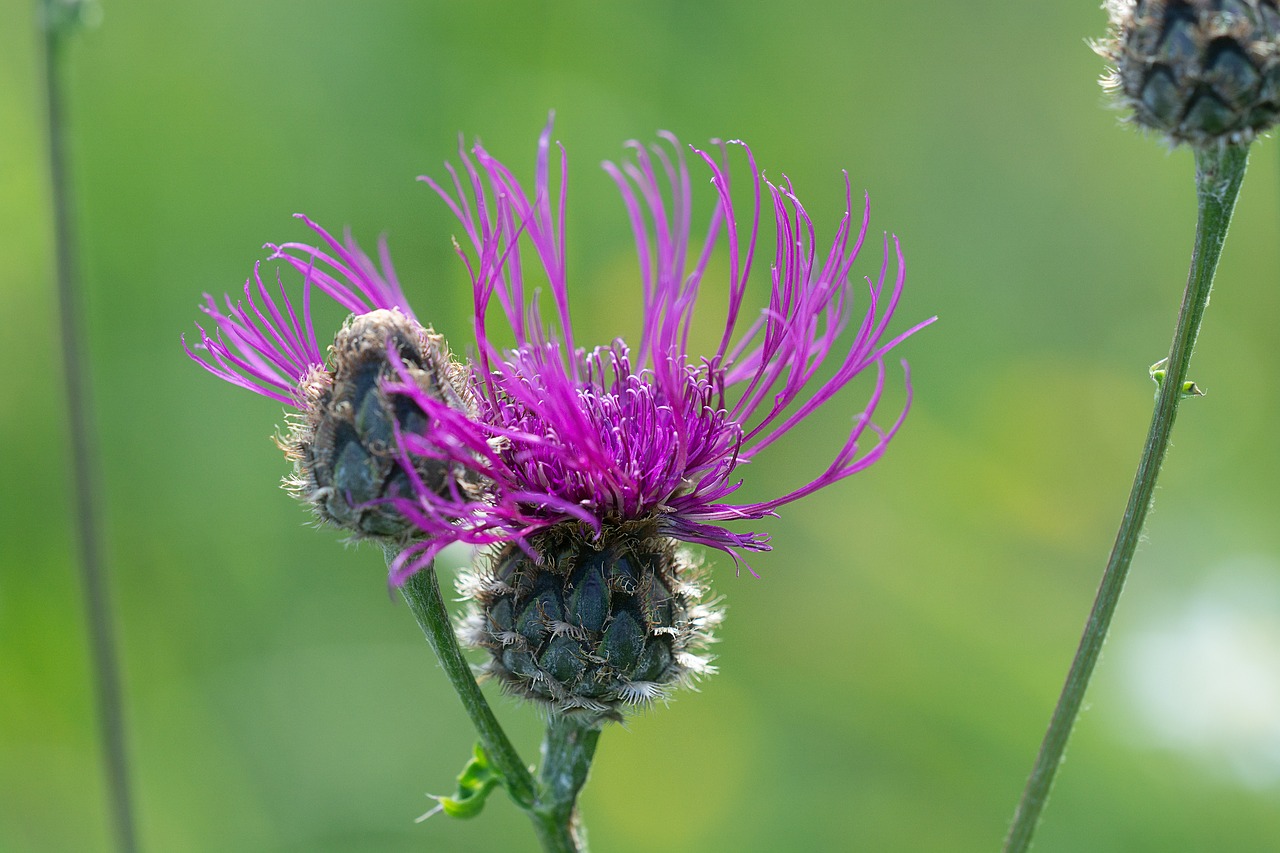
(567,750)
(422,592)
(1219,173)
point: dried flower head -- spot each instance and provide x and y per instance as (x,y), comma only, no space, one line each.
(342,432)
(1200,71)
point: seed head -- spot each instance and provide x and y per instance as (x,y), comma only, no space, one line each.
(1199,71)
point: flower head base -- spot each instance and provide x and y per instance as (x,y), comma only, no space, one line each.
(652,433)
(1200,71)
(595,625)
(344,444)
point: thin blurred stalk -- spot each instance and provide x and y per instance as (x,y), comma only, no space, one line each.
(60,19)
(1219,172)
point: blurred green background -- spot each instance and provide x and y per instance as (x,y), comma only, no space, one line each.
(886,682)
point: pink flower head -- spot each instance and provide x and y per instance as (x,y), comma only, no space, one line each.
(269,347)
(651,431)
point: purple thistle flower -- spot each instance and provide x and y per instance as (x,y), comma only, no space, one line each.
(581,470)
(341,435)
(651,433)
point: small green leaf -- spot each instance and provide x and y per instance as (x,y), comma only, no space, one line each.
(1158,373)
(475,782)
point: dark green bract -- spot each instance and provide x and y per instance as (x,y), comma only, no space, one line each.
(593,626)
(1200,71)
(344,447)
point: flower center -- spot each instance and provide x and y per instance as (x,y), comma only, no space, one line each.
(633,439)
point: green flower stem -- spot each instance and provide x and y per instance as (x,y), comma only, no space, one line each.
(567,750)
(60,19)
(422,592)
(1219,173)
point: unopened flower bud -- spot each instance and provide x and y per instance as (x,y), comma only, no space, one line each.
(1200,71)
(593,626)
(347,464)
